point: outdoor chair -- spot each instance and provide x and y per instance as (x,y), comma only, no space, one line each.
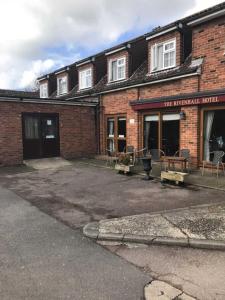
(111,157)
(216,162)
(186,154)
(156,155)
(131,152)
(139,154)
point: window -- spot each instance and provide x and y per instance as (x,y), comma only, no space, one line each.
(163,56)
(214,133)
(116,133)
(44,90)
(162,131)
(62,85)
(117,69)
(85,79)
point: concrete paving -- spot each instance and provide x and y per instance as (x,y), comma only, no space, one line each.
(199,227)
(79,194)
(47,163)
(40,258)
(159,290)
(197,273)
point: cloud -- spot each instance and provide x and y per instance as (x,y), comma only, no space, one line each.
(40,35)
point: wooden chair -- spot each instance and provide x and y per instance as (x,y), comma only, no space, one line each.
(216,162)
(186,154)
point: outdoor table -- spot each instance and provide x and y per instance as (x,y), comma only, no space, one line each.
(172,160)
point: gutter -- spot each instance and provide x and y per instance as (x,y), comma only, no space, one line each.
(207,18)
(23,100)
(161,33)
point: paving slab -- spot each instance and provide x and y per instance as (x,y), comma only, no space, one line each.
(199,227)
(159,290)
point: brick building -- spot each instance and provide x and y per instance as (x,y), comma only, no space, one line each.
(163,90)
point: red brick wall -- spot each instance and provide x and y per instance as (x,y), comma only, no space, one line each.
(189,132)
(208,42)
(176,87)
(163,38)
(76,126)
(118,103)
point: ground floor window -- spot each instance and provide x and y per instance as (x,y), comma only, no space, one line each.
(116,133)
(214,132)
(162,131)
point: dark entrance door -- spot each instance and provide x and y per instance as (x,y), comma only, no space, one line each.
(40,135)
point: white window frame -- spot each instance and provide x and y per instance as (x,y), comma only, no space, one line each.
(117,60)
(44,90)
(58,89)
(154,57)
(83,72)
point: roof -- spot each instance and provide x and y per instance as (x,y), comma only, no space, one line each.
(22,94)
(140,76)
(157,30)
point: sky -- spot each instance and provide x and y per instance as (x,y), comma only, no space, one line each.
(39,36)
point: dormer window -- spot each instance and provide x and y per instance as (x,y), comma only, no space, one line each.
(62,85)
(117,69)
(163,56)
(44,90)
(85,79)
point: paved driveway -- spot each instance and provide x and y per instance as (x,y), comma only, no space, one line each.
(41,258)
(82,193)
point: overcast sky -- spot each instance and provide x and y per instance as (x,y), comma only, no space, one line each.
(37,36)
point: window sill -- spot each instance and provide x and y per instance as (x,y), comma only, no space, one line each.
(84,89)
(116,81)
(161,70)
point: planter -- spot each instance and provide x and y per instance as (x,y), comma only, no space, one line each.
(123,168)
(147,164)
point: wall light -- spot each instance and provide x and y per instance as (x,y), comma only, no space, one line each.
(182,115)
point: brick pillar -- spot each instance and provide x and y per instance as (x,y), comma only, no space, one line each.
(189,132)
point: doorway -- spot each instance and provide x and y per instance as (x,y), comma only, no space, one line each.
(40,135)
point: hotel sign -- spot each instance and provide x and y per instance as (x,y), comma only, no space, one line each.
(177,103)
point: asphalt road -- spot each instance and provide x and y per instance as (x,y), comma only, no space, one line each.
(79,194)
(41,258)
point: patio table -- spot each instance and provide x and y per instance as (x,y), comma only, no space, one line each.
(172,160)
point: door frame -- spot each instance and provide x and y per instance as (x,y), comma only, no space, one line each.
(40,116)
(116,138)
(160,114)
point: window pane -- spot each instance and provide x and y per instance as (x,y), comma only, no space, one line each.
(110,128)
(121,72)
(169,59)
(121,145)
(151,128)
(160,57)
(111,145)
(122,127)
(214,133)
(62,85)
(170,136)
(169,46)
(31,128)
(114,71)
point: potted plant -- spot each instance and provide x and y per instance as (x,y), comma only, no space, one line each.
(125,163)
